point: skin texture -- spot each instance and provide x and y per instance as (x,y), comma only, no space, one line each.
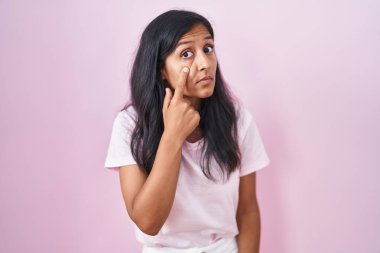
(149,200)
(248,216)
(199,56)
(195,50)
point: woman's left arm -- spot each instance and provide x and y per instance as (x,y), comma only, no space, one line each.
(248,216)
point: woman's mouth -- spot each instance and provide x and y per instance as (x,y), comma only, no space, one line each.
(205,80)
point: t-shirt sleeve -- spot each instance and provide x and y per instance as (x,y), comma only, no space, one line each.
(254,155)
(119,151)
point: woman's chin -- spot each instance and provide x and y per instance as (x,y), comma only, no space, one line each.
(200,94)
(205,93)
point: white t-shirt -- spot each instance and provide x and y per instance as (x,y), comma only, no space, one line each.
(202,211)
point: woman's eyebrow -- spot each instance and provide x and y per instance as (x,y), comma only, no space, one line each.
(190,41)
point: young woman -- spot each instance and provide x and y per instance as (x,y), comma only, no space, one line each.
(186,151)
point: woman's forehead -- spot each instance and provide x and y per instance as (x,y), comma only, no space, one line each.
(197,31)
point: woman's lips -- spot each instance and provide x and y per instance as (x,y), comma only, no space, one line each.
(206,80)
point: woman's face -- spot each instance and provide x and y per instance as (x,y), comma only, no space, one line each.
(195,50)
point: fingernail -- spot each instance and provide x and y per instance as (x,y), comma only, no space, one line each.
(186,69)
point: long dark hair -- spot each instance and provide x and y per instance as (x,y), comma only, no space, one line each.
(218,113)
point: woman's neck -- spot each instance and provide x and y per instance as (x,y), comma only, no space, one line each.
(195,102)
(195,136)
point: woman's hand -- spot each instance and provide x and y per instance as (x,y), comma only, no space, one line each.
(180,118)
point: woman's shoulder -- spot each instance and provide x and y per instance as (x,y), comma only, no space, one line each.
(127,113)
(246,123)
(126,117)
(244,117)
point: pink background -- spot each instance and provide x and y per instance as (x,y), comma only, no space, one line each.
(307,70)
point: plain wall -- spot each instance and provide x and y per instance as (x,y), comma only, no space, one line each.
(307,70)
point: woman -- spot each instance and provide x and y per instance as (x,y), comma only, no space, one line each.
(185,150)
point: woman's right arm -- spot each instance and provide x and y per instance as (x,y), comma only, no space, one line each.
(149,199)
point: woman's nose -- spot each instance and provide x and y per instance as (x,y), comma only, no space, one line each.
(202,61)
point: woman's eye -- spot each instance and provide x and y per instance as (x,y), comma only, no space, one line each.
(186,54)
(211,48)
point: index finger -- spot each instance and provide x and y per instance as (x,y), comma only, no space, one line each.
(178,92)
